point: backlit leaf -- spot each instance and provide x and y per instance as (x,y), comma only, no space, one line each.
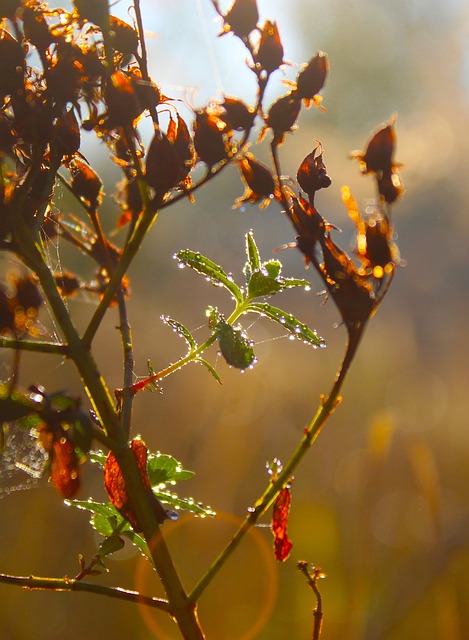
(294,326)
(210,270)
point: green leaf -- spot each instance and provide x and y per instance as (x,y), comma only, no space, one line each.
(208,366)
(234,346)
(289,283)
(187,504)
(261,284)
(273,269)
(294,326)
(138,541)
(103,524)
(163,468)
(181,330)
(210,270)
(112,544)
(98,457)
(252,252)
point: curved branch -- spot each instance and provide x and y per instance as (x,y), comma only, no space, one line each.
(70,584)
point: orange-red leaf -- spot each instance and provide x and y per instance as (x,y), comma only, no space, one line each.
(115,484)
(65,470)
(282,545)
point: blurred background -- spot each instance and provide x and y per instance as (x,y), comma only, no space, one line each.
(380,503)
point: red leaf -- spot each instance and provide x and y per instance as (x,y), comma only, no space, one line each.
(282,545)
(65,470)
(115,485)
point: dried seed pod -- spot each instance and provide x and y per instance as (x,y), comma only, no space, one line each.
(241,18)
(66,133)
(123,37)
(236,114)
(178,133)
(12,65)
(164,169)
(378,158)
(351,292)
(269,54)
(27,295)
(85,182)
(260,183)
(123,105)
(9,8)
(36,29)
(375,246)
(282,116)
(312,78)
(96,11)
(210,141)
(378,155)
(148,93)
(312,173)
(67,283)
(309,224)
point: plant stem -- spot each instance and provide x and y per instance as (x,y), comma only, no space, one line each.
(182,609)
(36,346)
(324,411)
(70,584)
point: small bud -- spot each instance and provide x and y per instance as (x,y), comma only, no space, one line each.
(282,116)
(67,283)
(123,37)
(12,65)
(236,114)
(241,18)
(260,183)
(312,78)
(312,174)
(163,167)
(123,105)
(269,55)
(210,141)
(85,182)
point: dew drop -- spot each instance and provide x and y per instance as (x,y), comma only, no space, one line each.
(181,265)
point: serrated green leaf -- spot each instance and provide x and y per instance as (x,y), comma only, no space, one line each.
(208,366)
(163,468)
(234,346)
(294,326)
(110,545)
(252,252)
(261,284)
(289,283)
(106,509)
(137,541)
(182,331)
(210,270)
(102,524)
(273,268)
(188,504)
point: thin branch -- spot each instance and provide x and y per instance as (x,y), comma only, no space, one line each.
(323,413)
(38,346)
(70,584)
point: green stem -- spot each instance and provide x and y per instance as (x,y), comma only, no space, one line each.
(70,584)
(182,609)
(324,411)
